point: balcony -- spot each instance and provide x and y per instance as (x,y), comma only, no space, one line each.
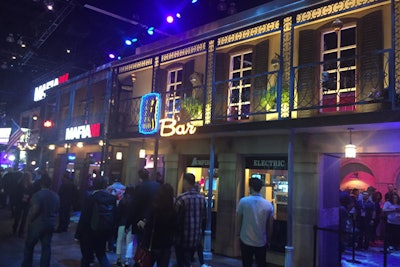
(349,85)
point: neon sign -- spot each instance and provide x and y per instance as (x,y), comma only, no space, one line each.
(40,90)
(83,131)
(170,127)
(150,109)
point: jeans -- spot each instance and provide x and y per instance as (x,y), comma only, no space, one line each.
(184,256)
(37,232)
(94,243)
(260,253)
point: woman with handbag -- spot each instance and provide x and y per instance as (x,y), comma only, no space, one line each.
(158,231)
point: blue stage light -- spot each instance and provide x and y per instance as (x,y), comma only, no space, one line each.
(178,15)
(128,42)
(150,31)
(134,40)
(194,1)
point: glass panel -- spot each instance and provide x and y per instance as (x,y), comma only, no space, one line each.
(236,62)
(247,62)
(178,87)
(245,111)
(349,53)
(235,96)
(348,37)
(329,81)
(236,77)
(331,61)
(172,77)
(245,94)
(347,79)
(247,75)
(179,77)
(330,41)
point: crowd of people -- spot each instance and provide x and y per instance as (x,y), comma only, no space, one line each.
(127,219)
(367,218)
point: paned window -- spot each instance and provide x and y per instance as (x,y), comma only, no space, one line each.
(338,72)
(174,91)
(240,85)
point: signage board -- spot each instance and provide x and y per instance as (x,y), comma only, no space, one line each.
(82,132)
(40,91)
(4,135)
(268,163)
(150,109)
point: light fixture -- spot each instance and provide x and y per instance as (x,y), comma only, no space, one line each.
(101,143)
(10,38)
(222,6)
(350,150)
(79,144)
(170,19)
(118,155)
(49,4)
(67,146)
(52,147)
(150,31)
(142,153)
(232,8)
(337,25)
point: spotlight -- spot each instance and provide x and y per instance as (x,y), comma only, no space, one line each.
(10,38)
(170,19)
(150,31)
(178,15)
(111,55)
(49,4)
(194,1)
(134,40)
(128,42)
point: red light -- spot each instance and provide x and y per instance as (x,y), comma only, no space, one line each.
(48,124)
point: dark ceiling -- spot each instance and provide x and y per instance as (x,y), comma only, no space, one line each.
(90,29)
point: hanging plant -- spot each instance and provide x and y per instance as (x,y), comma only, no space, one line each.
(192,106)
(268,99)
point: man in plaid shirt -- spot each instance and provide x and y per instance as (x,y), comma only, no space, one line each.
(191,220)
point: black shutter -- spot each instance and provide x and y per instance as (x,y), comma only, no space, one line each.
(308,85)
(219,105)
(160,80)
(369,40)
(259,82)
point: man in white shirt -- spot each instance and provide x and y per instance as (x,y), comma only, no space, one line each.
(255,221)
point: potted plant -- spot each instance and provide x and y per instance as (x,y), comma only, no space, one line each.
(268,99)
(192,107)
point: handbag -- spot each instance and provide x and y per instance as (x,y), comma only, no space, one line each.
(143,257)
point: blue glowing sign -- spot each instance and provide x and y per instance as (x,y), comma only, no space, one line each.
(150,109)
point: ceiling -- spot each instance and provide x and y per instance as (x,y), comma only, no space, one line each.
(90,30)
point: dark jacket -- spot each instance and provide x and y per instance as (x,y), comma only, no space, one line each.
(83,227)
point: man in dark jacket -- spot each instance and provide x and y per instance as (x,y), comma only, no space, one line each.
(41,222)
(94,240)
(68,193)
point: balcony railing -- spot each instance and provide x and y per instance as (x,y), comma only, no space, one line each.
(354,84)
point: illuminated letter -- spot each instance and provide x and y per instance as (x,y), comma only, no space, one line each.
(167,124)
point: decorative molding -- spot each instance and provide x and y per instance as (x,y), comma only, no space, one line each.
(209,81)
(136,65)
(248,33)
(184,52)
(331,9)
(397,46)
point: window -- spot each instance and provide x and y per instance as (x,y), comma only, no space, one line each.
(240,85)
(174,90)
(338,72)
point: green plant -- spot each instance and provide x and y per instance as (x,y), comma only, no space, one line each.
(268,99)
(192,106)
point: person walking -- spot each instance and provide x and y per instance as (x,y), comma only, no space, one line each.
(68,194)
(41,222)
(96,223)
(255,221)
(122,217)
(23,197)
(159,230)
(190,207)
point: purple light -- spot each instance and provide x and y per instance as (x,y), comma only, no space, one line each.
(112,56)
(170,19)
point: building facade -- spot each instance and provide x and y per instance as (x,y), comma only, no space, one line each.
(275,92)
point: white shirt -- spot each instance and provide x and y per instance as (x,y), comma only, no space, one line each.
(255,211)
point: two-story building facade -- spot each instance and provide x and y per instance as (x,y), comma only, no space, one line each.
(273,92)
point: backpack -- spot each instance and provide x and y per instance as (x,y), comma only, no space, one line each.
(103,218)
